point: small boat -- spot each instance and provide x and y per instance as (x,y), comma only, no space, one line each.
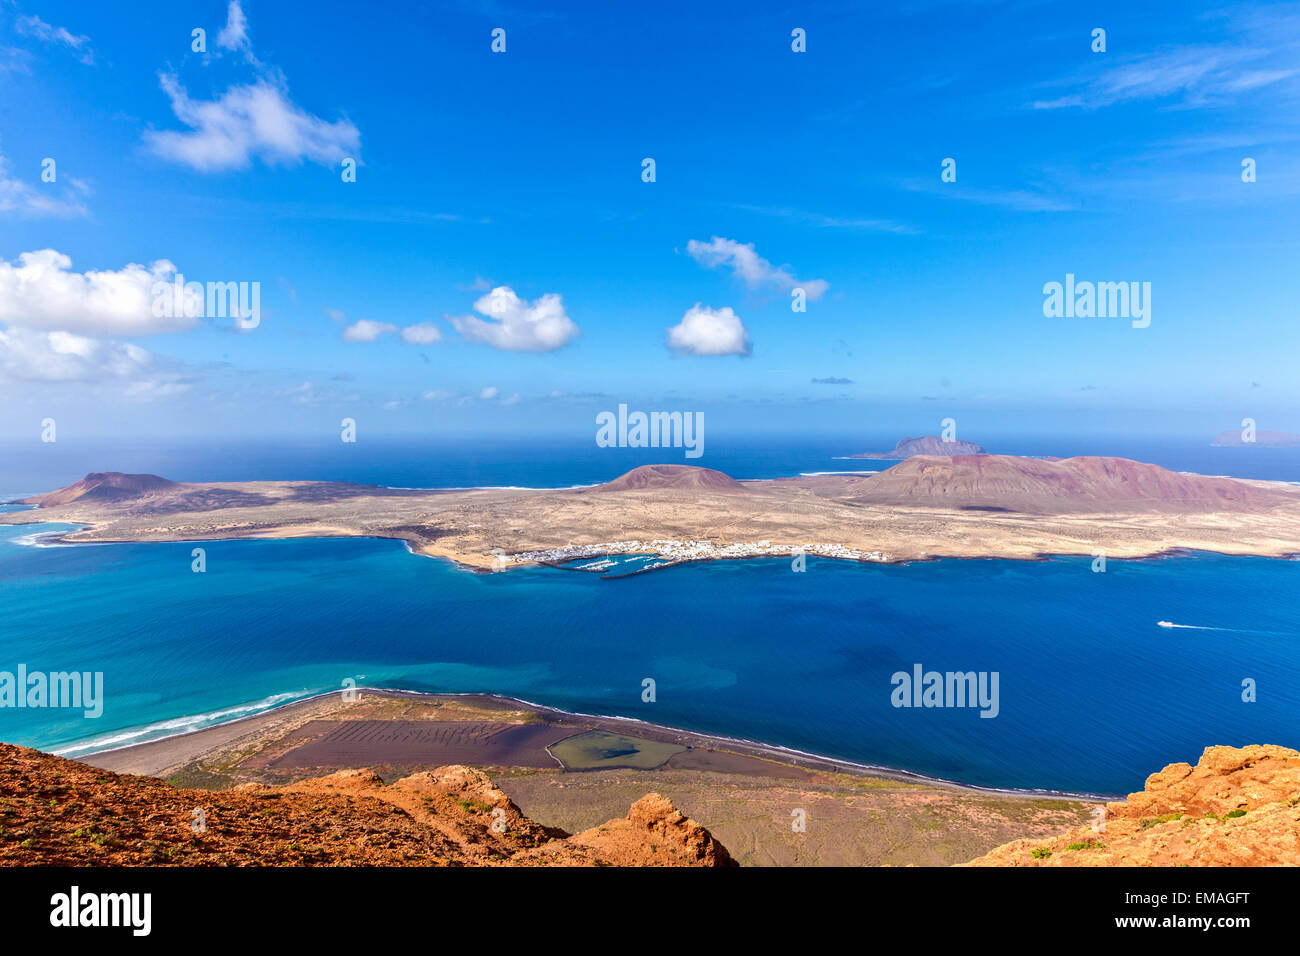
(1166,624)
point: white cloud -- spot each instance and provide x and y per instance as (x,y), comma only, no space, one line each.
(705,331)
(38,200)
(423,333)
(748,265)
(489,393)
(36,27)
(234,35)
(257,120)
(61,357)
(64,357)
(516,325)
(367,330)
(41,292)
(336,314)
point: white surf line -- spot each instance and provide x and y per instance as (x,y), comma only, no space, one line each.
(168,728)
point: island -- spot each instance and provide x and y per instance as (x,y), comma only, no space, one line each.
(926,507)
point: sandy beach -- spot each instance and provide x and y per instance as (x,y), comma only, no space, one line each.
(261,741)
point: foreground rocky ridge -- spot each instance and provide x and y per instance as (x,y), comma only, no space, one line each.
(58,812)
(1239,806)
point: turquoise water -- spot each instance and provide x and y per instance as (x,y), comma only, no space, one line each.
(1093,695)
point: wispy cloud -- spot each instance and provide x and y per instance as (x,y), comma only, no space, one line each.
(745,263)
(1025,200)
(29,200)
(14,60)
(34,26)
(234,35)
(832,222)
(256,120)
(1260,51)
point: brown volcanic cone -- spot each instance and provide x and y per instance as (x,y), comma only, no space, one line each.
(926,445)
(1236,807)
(674,477)
(1057,486)
(58,812)
(104,486)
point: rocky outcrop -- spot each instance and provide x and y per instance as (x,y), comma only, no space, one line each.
(927,445)
(654,824)
(1239,806)
(58,812)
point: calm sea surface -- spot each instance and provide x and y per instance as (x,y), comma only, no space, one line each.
(1093,695)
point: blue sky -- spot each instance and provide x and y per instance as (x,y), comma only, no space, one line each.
(522,172)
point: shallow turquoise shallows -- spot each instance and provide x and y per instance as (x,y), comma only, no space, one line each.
(1093,695)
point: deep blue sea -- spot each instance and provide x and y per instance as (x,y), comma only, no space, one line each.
(31,467)
(1093,694)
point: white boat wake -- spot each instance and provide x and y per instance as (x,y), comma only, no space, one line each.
(1206,627)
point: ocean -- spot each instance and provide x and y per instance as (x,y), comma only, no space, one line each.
(31,467)
(1093,695)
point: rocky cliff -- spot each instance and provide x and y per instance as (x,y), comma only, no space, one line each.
(58,812)
(1239,806)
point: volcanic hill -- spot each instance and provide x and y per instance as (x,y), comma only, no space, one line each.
(927,445)
(1057,486)
(674,478)
(104,486)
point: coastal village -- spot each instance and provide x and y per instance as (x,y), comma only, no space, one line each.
(671,551)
